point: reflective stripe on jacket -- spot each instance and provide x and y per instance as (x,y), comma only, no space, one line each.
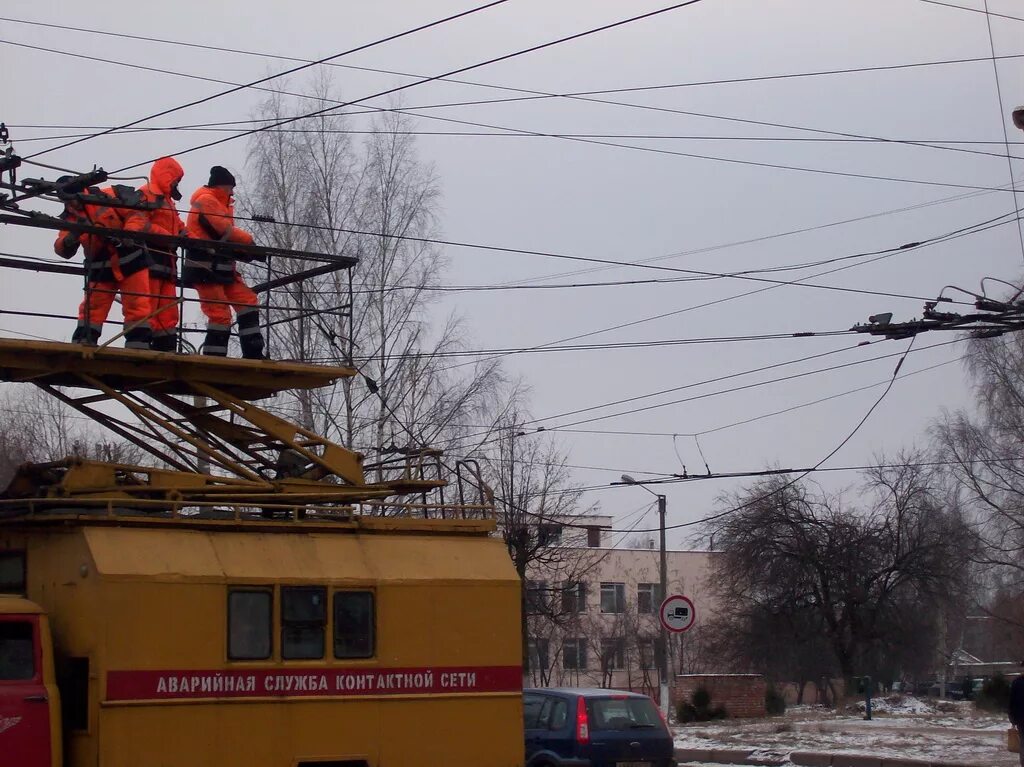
(105,259)
(211,217)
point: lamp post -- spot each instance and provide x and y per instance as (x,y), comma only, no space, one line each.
(663,579)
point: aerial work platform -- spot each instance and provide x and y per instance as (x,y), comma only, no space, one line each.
(52,363)
(216,450)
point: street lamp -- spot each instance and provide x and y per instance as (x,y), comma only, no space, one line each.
(663,577)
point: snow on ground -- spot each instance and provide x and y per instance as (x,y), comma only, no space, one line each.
(901,727)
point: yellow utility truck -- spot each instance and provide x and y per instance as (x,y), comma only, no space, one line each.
(245,616)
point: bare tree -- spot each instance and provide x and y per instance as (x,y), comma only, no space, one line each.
(378,202)
(985,449)
(540,515)
(38,428)
(864,577)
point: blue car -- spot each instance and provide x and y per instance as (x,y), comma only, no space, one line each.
(571,727)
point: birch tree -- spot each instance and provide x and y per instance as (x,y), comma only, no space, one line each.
(376,200)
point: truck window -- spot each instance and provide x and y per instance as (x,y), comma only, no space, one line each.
(353,624)
(12,572)
(303,616)
(17,651)
(250,613)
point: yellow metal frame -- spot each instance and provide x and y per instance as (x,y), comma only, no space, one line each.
(226,453)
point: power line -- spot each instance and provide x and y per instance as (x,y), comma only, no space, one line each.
(488,134)
(710,158)
(582,95)
(745,294)
(600,347)
(614,262)
(745,421)
(804,473)
(773,236)
(1002,119)
(707,395)
(282,57)
(423,81)
(972,10)
(744,387)
(237,88)
(696,272)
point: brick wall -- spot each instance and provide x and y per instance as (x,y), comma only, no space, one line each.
(741,694)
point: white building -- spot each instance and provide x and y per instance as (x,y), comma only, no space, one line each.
(593,620)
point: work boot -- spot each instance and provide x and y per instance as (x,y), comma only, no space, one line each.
(140,337)
(164,342)
(86,335)
(216,343)
(252,346)
(249,335)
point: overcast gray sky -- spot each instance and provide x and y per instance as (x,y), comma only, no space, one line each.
(570,197)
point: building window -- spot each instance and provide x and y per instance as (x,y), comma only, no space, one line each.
(613,597)
(647,659)
(250,614)
(574,654)
(536,597)
(574,597)
(12,572)
(648,597)
(650,652)
(594,537)
(549,534)
(537,654)
(613,654)
(303,616)
(353,624)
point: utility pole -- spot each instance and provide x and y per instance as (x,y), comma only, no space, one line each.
(663,580)
(663,573)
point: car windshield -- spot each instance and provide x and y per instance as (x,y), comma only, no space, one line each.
(623,713)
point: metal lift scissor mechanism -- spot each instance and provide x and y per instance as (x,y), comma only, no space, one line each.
(219,452)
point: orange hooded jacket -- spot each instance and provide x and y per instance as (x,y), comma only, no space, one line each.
(162,189)
(105,261)
(212,217)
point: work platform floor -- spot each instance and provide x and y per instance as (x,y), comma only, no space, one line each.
(63,364)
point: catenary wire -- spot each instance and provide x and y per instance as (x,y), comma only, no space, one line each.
(615,262)
(803,474)
(423,81)
(972,10)
(1002,119)
(744,387)
(495,134)
(717,392)
(719,301)
(282,57)
(365,46)
(534,94)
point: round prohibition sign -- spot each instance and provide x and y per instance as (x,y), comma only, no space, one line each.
(678,613)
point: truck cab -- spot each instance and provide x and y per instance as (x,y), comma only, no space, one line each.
(30,726)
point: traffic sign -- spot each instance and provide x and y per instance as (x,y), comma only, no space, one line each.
(678,613)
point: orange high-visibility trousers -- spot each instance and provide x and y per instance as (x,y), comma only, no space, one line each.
(135,305)
(217,301)
(165,298)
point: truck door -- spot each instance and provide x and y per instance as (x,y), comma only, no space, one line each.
(24,702)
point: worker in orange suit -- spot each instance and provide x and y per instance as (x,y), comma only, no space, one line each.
(214,275)
(111,267)
(162,193)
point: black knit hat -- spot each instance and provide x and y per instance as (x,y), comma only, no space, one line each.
(220,177)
